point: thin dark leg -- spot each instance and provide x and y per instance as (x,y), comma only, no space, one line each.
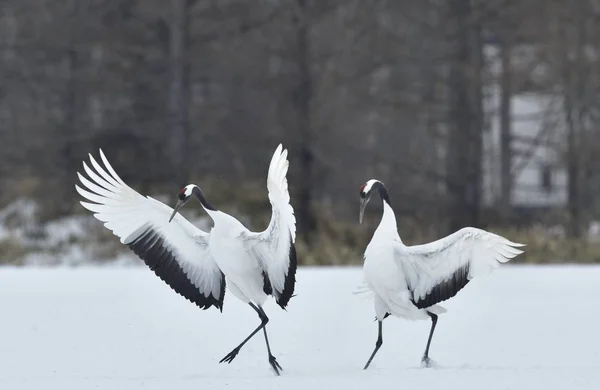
(426,359)
(263,321)
(378,343)
(272,359)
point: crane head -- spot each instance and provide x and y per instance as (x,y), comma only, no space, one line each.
(366,190)
(183,196)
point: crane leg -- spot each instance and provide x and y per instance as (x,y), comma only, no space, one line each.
(425,360)
(263,322)
(272,359)
(378,343)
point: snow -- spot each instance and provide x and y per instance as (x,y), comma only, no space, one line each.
(522,327)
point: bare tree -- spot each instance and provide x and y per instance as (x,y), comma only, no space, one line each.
(466,119)
(179,92)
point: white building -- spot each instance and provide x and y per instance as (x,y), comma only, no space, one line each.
(538,134)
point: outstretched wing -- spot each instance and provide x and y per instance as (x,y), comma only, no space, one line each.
(438,270)
(177,252)
(274,247)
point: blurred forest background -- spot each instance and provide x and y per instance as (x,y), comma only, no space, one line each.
(473,112)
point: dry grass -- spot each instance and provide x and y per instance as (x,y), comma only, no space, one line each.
(11,252)
(338,242)
(343,244)
(545,247)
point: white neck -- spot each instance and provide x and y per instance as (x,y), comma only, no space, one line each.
(225,221)
(214,214)
(388,226)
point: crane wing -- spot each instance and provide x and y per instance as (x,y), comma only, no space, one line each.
(274,247)
(438,270)
(177,252)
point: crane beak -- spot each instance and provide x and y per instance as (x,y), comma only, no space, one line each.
(176,209)
(363,204)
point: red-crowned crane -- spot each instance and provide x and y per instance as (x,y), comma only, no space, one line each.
(197,264)
(409,281)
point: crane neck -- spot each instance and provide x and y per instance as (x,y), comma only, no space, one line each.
(200,195)
(388,225)
(388,219)
(383,193)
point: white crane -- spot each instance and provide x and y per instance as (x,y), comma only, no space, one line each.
(197,264)
(409,281)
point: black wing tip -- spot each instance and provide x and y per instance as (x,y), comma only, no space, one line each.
(137,235)
(446,289)
(221,299)
(149,246)
(290,279)
(267,288)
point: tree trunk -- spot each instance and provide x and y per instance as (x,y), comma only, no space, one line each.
(179,90)
(505,131)
(68,132)
(573,170)
(303,93)
(575,112)
(466,121)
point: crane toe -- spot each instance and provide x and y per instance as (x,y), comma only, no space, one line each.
(230,356)
(275,364)
(426,362)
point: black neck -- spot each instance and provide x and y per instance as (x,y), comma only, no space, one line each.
(198,192)
(383,192)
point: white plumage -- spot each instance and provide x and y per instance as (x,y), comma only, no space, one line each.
(410,281)
(196,264)
(429,265)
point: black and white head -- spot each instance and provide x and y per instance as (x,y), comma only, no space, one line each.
(184,195)
(366,191)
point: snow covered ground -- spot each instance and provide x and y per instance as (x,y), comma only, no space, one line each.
(123,328)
